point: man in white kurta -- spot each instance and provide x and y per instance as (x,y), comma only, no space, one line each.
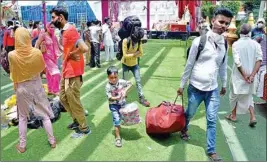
(247,55)
(108,41)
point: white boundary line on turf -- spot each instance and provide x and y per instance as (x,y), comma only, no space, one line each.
(6,86)
(232,141)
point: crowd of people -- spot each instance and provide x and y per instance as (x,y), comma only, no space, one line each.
(28,61)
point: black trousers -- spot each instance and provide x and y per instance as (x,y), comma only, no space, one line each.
(95,54)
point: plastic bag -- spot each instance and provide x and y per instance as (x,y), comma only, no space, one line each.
(11,101)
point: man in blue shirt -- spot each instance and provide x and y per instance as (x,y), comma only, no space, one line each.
(188,29)
(258,31)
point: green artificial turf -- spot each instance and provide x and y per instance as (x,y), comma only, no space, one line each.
(161,69)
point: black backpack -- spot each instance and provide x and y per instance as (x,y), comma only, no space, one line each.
(202,43)
(120,54)
(129,24)
(34,41)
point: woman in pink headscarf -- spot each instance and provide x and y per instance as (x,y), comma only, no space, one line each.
(48,44)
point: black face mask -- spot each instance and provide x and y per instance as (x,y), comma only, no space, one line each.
(57,24)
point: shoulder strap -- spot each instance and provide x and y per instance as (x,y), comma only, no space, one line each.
(202,43)
(139,42)
(128,42)
(226,47)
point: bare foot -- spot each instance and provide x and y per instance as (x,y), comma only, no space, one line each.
(230,117)
(19,149)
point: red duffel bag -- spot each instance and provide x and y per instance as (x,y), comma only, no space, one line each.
(165,118)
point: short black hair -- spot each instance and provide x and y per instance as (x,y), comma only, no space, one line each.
(15,28)
(106,19)
(60,10)
(35,24)
(89,23)
(112,69)
(223,11)
(9,23)
(95,22)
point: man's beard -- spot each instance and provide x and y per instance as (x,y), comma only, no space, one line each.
(57,24)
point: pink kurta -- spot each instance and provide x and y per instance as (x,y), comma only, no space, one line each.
(50,57)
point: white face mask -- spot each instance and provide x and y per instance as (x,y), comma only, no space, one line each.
(41,26)
(217,38)
(260,25)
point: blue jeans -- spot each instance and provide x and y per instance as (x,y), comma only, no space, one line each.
(212,102)
(136,72)
(116,116)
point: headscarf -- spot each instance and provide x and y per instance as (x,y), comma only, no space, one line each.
(51,31)
(25,61)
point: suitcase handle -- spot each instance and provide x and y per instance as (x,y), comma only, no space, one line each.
(182,100)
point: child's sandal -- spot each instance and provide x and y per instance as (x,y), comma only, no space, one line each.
(118,142)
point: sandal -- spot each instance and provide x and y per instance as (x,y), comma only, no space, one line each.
(184,136)
(252,123)
(53,145)
(118,142)
(216,159)
(19,149)
(229,117)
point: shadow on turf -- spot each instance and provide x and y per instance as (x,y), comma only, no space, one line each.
(196,133)
(128,133)
(60,127)
(94,140)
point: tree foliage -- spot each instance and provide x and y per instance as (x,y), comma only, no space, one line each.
(231,5)
(208,8)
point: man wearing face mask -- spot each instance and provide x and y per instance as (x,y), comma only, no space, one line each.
(258,31)
(247,55)
(37,29)
(30,27)
(202,74)
(72,71)
(108,41)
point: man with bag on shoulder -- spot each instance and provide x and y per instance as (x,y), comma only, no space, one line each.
(202,73)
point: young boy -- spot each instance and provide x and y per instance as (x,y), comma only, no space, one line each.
(116,90)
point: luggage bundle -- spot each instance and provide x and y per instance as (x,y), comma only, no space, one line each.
(130,24)
(166,118)
(130,114)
